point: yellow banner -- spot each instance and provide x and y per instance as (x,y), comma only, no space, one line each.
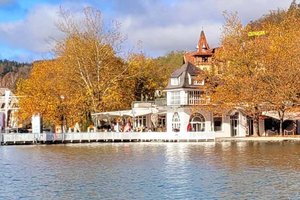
(256,33)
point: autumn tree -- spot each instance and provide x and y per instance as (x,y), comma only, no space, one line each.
(260,65)
(86,71)
(281,62)
(89,51)
(149,75)
(239,82)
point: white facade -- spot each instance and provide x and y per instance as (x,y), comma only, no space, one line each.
(187,108)
(230,125)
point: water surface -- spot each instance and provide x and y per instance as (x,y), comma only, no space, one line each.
(242,170)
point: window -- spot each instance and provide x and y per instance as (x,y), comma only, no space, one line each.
(176,122)
(140,121)
(217,123)
(197,82)
(162,120)
(195,98)
(204,59)
(197,122)
(175,98)
(175,81)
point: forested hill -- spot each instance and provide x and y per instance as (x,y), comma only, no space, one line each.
(11,71)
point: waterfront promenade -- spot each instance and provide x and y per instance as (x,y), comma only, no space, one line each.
(83,137)
(86,137)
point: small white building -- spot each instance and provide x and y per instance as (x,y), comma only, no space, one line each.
(8,108)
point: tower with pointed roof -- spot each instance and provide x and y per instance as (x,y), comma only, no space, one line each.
(202,57)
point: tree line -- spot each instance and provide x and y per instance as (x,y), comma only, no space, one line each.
(11,72)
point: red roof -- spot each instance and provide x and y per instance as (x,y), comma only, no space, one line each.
(203,50)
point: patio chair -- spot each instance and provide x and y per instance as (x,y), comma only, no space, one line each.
(271,132)
(290,130)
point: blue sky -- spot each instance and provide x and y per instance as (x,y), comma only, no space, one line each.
(27,27)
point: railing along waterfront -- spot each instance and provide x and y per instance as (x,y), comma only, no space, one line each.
(32,138)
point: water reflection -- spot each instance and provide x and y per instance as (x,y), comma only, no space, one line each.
(232,170)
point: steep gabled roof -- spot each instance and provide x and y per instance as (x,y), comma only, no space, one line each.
(187,67)
(182,73)
(202,43)
(203,49)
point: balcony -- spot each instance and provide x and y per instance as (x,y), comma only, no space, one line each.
(160,101)
(198,101)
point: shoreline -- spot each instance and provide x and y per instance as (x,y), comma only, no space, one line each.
(259,139)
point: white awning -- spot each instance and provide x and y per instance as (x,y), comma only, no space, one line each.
(135,112)
(143,111)
(114,113)
(287,115)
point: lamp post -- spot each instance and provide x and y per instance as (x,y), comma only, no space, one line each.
(62,97)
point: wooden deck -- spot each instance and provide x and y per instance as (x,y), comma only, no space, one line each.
(31,138)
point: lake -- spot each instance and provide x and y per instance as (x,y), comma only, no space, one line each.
(227,170)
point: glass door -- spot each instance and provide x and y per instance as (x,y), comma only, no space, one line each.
(234,122)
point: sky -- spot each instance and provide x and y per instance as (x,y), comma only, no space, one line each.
(28,27)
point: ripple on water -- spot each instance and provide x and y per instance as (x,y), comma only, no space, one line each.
(245,170)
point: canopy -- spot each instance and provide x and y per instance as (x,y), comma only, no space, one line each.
(143,111)
(135,112)
(115,113)
(287,115)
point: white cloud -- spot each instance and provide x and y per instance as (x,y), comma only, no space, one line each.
(162,26)
(37,32)
(33,32)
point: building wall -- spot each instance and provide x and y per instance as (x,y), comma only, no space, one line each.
(226,126)
(261,127)
(242,125)
(185,115)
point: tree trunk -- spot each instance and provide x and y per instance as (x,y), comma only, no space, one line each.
(256,122)
(256,125)
(280,127)
(281,119)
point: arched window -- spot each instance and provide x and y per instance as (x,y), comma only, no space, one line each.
(176,122)
(197,122)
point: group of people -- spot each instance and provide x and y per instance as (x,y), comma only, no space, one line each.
(119,125)
(116,127)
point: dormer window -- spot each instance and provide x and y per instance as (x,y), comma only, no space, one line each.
(175,81)
(197,82)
